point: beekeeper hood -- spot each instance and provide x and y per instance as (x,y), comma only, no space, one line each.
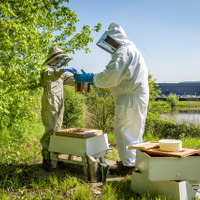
(57,57)
(112,39)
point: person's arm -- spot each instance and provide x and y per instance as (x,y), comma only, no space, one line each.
(116,70)
(50,75)
(68,80)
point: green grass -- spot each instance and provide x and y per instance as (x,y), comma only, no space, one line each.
(188,106)
(191,142)
(21,176)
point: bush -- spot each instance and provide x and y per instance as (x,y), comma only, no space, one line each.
(172,99)
(163,128)
(21,131)
(100,109)
(74,108)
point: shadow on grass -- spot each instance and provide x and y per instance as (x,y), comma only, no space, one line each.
(19,175)
(66,181)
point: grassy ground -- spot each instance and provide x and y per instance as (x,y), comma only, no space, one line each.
(22,177)
(191,106)
(189,103)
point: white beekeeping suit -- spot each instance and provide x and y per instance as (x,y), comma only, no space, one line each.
(127,76)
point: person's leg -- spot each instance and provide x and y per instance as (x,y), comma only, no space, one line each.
(129,128)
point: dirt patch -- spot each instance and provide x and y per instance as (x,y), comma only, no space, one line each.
(112,144)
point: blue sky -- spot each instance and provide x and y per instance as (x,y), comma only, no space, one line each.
(167,33)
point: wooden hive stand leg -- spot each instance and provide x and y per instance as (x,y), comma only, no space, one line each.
(85,166)
(71,157)
(54,159)
(102,159)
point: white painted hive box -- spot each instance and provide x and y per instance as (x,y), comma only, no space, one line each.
(79,146)
(157,168)
(175,190)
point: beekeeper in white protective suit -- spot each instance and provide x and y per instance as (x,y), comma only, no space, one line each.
(52,80)
(127,76)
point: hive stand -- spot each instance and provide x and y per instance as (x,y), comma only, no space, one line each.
(96,147)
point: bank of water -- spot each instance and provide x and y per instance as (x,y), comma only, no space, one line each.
(186,117)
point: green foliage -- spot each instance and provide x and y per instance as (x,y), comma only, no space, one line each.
(152,88)
(169,129)
(191,142)
(74,108)
(159,127)
(195,104)
(28,29)
(121,190)
(100,107)
(172,99)
(113,155)
(188,106)
(117,190)
(20,131)
(155,108)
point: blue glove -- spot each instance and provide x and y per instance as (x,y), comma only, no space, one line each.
(85,72)
(84,78)
(69,69)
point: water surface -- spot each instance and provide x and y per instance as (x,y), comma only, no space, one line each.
(193,118)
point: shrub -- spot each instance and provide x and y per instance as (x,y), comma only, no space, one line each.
(172,99)
(74,108)
(163,128)
(100,109)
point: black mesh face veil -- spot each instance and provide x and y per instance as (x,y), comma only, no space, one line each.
(55,56)
(105,43)
(63,62)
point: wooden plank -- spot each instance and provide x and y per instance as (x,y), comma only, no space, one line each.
(146,145)
(79,132)
(184,153)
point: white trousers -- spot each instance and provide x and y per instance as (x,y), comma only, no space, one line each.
(130,116)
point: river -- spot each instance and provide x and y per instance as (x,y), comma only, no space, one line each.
(193,118)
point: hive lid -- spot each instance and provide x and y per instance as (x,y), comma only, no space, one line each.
(145,145)
(186,151)
(79,132)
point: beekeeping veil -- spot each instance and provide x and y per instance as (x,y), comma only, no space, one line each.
(56,53)
(112,39)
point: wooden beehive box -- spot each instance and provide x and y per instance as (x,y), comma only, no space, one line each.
(164,168)
(79,132)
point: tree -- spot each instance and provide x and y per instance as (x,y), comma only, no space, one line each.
(28,29)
